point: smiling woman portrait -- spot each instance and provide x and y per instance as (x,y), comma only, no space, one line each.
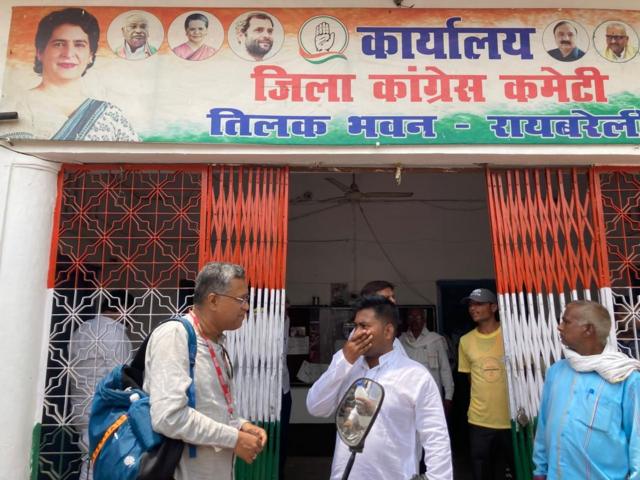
(196,28)
(59,108)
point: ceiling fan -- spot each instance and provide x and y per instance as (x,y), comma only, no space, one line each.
(352,193)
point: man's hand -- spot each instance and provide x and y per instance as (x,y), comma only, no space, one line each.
(248,446)
(255,431)
(365,406)
(357,345)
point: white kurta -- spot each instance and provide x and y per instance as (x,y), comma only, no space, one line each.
(95,348)
(209,426)
(412,406)
(430,350)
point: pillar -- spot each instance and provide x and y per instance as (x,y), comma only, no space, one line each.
(27,199)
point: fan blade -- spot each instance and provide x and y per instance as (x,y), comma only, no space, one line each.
(386,200)
(388,194)
(301,199)
(338,184)
(331,199)
(313,212)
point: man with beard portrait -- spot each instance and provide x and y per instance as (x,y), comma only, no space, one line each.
(255,32)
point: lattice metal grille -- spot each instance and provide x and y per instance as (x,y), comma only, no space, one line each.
(131,240)
(128,241)
(620,192)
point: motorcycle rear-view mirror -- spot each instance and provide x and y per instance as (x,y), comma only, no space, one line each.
(356,415)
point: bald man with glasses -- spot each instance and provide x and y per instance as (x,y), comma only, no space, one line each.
(617,39)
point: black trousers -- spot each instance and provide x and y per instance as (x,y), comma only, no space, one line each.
(491,452)
(285,415)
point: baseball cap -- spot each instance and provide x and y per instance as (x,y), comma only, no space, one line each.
(480,295)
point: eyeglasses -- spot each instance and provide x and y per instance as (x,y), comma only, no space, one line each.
(616,37)
(240,300)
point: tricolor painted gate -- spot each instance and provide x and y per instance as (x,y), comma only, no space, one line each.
(557,235)
(147,230)
(246,221)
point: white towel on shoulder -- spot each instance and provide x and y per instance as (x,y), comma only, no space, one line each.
(612,365)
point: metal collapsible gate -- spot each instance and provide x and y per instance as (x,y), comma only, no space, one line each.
(247,224)
(559,235)
(147,230)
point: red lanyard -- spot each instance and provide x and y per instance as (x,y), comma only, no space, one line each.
(223,384)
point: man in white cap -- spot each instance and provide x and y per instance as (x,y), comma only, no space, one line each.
(481,354)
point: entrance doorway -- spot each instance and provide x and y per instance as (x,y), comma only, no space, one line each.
(346,229)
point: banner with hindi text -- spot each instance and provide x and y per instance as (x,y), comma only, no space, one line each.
(341,76)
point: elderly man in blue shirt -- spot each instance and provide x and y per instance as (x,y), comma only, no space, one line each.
(589,421)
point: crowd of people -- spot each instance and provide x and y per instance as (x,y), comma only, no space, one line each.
(588,424)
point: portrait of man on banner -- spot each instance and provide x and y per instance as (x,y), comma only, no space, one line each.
(566,36)
(256,36)
(616,41)
(139,32)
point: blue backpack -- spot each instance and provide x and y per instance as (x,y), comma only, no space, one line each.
(122,443)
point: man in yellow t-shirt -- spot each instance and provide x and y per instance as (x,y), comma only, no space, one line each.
(481,353)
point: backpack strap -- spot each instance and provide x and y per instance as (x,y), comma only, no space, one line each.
(138,364)
(191,391)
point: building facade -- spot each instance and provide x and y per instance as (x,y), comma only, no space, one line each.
(133,164)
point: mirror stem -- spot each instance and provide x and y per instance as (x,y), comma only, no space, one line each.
(347,470)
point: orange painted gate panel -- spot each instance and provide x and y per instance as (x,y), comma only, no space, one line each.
(549,248)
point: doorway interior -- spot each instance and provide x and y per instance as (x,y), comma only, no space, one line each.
(428,234)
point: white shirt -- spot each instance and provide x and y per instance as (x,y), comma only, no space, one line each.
(95,348)
(139,54)
(210,426)
(286,383)
(430,350)
(412,406)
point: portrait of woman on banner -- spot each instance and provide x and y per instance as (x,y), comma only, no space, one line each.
(197,28)
(58,108)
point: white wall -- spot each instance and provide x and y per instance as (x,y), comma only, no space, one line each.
(425,241)
(27,198)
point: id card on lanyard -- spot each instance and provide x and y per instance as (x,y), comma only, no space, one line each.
(226,390)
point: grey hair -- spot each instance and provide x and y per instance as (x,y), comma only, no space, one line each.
(215,277)
(618,25)
(594,314)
